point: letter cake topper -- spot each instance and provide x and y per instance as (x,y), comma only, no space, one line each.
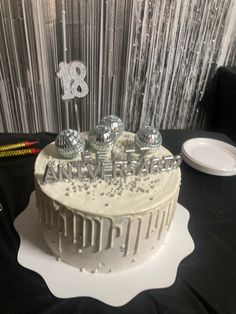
(72,77)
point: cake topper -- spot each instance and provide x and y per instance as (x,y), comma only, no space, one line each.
(101,138)
(69,143)
(114,123)
(148,138)
(101,168)
(95,162)
(72,76)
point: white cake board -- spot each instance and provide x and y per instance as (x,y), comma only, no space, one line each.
(65,281)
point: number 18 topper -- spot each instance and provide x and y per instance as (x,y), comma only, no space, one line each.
(72,77)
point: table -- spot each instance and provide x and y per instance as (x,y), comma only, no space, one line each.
(206,280)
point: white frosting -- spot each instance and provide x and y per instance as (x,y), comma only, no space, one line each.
(107,225)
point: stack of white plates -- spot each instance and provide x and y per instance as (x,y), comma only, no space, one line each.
(210,156)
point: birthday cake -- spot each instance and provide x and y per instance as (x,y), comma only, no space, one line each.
(106,212)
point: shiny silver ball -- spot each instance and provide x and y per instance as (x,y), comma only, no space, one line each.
(69,143)
(148,137)
(101,138)
(114,123)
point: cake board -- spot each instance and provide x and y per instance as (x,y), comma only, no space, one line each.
(65,281)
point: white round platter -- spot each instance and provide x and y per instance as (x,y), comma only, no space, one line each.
(65,281)
(210,156)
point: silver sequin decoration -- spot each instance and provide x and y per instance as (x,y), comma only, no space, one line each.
(69,143)
(148,138)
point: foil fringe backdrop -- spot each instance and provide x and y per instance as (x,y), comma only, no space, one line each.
(147,61)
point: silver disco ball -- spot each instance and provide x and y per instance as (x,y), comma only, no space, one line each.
(69,143)
(114,123)
(148,137)
(101,138)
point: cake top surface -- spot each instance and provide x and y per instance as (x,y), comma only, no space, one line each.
(114,196)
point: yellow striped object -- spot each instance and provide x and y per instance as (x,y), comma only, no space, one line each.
(11,146)
(19,152)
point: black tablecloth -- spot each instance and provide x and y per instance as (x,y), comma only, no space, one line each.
(206,279)
(219,102)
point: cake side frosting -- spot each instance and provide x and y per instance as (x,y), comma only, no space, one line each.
(106,225)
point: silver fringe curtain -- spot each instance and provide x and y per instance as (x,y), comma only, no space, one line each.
(148,61)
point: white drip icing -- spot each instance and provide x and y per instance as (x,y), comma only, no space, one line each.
(95,238)
(60,242)
(137,241)
(149,225)
(168,222)
(92,232)
(90,237)
(84,233)
(111,237)
(162,225)
(74,230)
(168,214)
(157,219)
(100,235)
(64,219)
(175,202)
(128,235)
(59,221)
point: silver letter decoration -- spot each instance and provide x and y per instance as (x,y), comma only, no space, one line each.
(64,172)
(49,174)
(72,77)
(101,169)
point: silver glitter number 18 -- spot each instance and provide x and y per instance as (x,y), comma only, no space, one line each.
(72,77)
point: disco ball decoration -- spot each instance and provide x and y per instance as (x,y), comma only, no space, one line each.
(69,143)
(102,138)
(148,137)
(114,123)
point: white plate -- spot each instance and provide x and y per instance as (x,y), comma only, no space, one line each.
(210,156)
(65,281)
